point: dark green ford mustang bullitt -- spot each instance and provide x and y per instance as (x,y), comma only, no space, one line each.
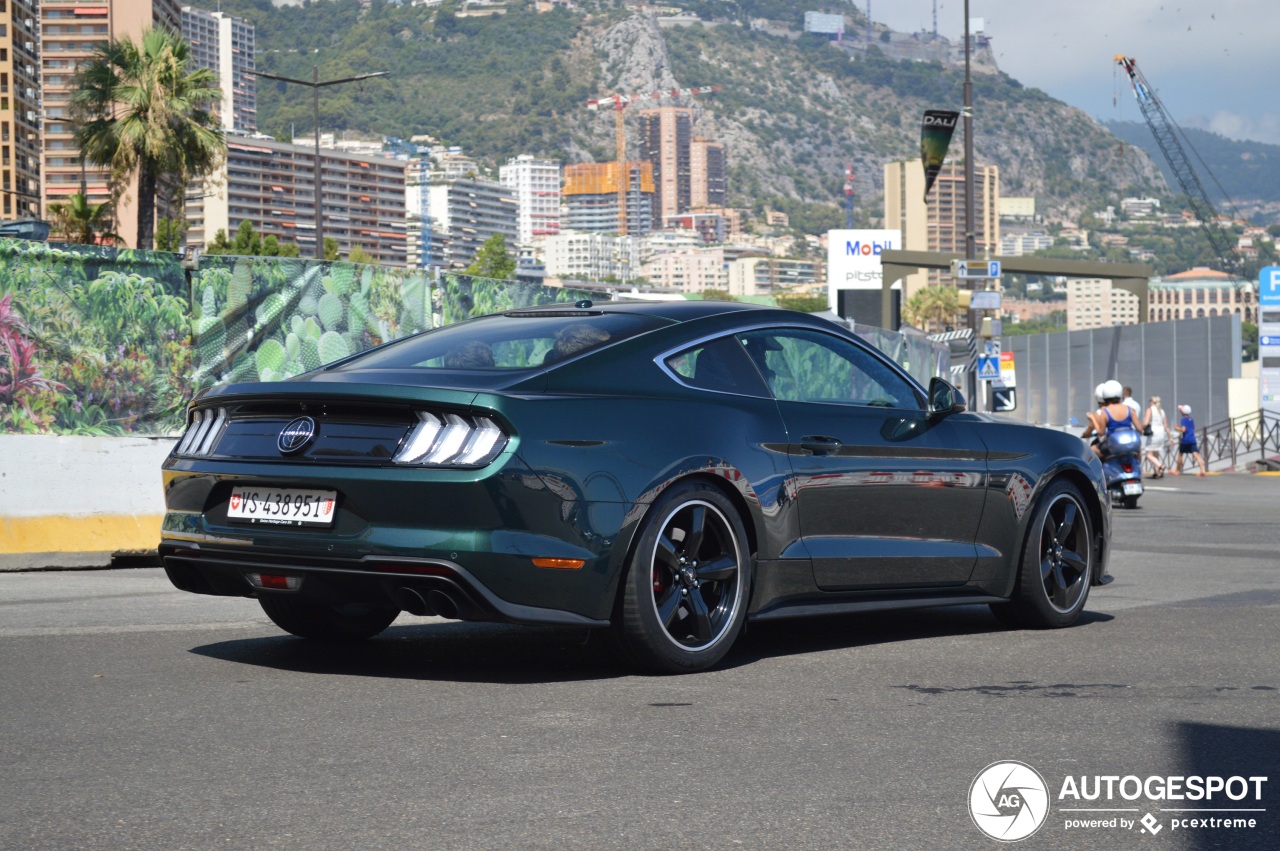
(665,470)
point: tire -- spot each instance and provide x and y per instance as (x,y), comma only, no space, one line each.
(1057,561)
(1129,502)
(684,597)
(319,622)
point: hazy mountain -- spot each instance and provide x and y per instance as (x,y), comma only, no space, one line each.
(1245,175)
(794,109)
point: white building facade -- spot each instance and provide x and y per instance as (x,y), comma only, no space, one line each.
(536,184)
(591,256)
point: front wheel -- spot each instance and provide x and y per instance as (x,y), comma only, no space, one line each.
(1057,562)
(684,597)
(308,619)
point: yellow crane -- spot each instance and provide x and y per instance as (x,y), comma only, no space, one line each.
(619,102)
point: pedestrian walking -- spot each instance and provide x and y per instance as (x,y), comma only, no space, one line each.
(1187,444)
(1131,402)
(1156,428)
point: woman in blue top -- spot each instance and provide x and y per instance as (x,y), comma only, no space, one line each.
(1187,444)
(1112,416)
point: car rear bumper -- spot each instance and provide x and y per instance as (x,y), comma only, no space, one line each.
(419,586)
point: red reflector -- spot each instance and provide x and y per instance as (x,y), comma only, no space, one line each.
(1127,467)
(270,580)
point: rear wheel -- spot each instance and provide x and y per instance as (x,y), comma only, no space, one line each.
(1057,563)
(309,619)
(684,597)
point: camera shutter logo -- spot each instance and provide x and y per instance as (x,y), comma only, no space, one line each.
(296,435)
(1008,801)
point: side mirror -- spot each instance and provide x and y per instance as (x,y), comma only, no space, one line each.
(944,399)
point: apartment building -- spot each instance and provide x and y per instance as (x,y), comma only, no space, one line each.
(591,256)
(666,136)
(1094,303)
(226,45)
(466,212)
(938,224)
(691,271)
(536,184)
(70,30)
(708,174)
(19,111)
(590,197)
(271,185)
(748,276)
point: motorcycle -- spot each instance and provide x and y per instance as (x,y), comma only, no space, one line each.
(1122,466)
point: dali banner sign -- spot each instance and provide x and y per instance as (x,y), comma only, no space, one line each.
(936,130)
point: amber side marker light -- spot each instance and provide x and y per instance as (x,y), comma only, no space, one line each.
(559,563)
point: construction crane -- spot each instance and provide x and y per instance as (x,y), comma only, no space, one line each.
(1167,132)
(620,102)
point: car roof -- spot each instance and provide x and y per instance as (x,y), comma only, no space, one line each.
(675,311)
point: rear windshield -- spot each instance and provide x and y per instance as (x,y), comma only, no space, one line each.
(512,341)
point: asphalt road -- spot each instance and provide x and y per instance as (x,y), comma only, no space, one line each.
(135,716)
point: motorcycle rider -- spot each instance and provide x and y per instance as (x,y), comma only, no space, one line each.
(1111,416)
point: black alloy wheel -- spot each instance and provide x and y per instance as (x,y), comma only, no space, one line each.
(685,594)
(1057,564)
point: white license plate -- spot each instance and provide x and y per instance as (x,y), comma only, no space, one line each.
(1132,489)
(282,506)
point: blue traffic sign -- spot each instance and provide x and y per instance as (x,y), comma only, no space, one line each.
(1269,285)
(989,368)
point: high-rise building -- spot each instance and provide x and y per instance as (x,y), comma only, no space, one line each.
(225,45)
(70,31)
(939,224)
(590,197)
(537,186)
(272,185)
(19,111)
(466,212)
(708,174)
(666,137)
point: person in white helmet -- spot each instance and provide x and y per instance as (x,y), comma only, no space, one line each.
(1112,415)
(1187,444)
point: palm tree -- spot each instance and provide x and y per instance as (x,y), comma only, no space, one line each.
(936,304)
(145,108)
(81,222)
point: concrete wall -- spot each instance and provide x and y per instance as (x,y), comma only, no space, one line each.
(76,501)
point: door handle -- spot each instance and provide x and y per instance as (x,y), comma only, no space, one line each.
(819,445)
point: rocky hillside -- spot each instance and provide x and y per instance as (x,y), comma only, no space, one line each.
(795,110)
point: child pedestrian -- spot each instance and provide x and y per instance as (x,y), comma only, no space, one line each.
(1187,444)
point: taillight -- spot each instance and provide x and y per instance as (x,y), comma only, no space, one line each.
(202,434)
(450,440)
(1127,466)
(274,581)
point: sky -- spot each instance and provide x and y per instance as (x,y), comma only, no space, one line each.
(1214,64)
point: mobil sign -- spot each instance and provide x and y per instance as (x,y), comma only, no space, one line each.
(853,258)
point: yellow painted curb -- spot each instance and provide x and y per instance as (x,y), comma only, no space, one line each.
(87,533)
(1267,473)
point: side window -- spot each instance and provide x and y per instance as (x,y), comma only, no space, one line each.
(808,366)
(718,365)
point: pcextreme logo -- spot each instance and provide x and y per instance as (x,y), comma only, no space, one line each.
(1009,801)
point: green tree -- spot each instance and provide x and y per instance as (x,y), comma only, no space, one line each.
(331,249)
(803,303)
(78,221)
(492,260)
(170,233)
(249,243)
(937,305)
(359,255)
(144,109)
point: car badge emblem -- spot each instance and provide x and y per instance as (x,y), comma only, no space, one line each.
(296,435)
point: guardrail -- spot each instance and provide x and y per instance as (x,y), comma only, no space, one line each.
(1227,445)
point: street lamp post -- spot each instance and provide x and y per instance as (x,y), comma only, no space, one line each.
(315,85)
